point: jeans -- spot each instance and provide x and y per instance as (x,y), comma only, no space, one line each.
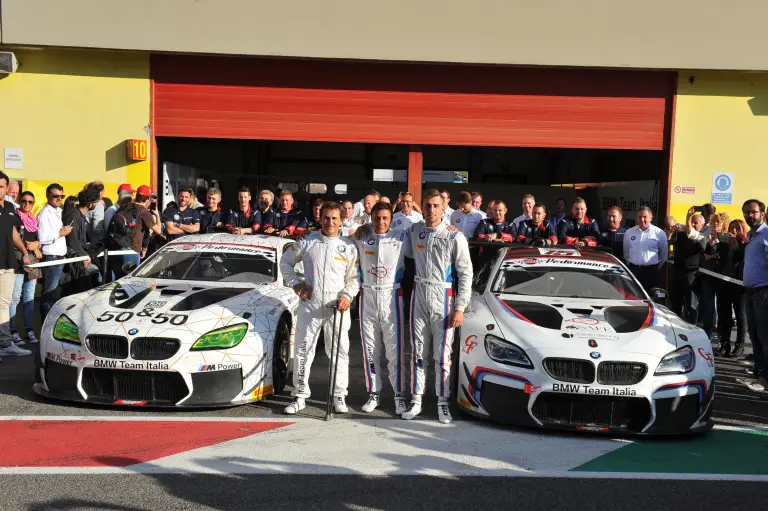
(27,289)
(757,324)
(116,263)
(7,279)
(51,276)
(707,312)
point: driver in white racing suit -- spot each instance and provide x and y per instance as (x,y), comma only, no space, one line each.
(381,253)
(330,281)
(442,260)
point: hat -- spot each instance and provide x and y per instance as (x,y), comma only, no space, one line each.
(144,190)
(125,187)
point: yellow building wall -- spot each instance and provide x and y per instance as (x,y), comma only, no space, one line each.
(721,125)
(71,112)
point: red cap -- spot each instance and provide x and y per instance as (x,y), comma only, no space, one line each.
(125,187)
(144,190)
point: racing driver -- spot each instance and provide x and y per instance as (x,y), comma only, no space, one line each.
(442,260)
(382,266)
(330,281)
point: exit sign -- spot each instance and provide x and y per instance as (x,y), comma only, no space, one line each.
(136,150)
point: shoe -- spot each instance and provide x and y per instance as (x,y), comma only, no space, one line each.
(758,385)
(401,405)
(16,339)
(747,362)
(296,406)
(31,337)
(14,351)
(413,410)
(725,350)
(738,349)
(443,413)
(340,405)
(372,404)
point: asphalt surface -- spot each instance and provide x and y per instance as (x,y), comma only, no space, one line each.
(734,406)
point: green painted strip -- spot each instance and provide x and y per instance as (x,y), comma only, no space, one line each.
(719,452)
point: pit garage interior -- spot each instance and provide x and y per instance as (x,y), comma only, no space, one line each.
(350,126)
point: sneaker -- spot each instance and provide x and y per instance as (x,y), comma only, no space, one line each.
(16,339)
(746,381)
(296,406)
(401,405)
(14,351)
(443,413)
(31,337)
(413,410)
(340,405)
(746,362)
(372,404)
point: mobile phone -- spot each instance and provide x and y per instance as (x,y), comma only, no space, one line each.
(71,223)
(722,236)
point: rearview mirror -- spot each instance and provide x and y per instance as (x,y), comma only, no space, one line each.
(659,295)
(129,267)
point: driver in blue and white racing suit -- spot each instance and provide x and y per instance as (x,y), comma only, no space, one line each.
(442,261)
(381,254)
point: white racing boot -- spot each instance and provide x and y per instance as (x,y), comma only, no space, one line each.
(340,404)
(296,406)
(372,404)
(401,405)
(443,411)
(414,408)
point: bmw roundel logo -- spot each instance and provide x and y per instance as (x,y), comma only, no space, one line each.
(399,222)
(595,355)
(133,331)
(176,217)
(371,241)
(633,238)
(342,248)
(422,235)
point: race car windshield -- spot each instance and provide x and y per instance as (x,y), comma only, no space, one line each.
(610,284)
(258,268)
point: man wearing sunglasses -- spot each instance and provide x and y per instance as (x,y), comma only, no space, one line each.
(51,233)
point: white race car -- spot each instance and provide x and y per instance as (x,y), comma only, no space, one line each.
(206,321)
(568,339)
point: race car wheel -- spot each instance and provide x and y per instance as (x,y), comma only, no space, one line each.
(281,358)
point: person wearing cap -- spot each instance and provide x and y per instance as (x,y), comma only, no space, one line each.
(123,191)
(146,225)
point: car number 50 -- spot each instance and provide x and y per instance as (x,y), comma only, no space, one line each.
(158,319)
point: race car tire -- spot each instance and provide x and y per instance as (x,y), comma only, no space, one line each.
(38,364)
(281,355)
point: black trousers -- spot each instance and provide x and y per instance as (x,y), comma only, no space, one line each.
(648,276)
(731,297)
(682,299)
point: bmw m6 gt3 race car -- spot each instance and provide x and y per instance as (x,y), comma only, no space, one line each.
(205,321)
(568,339)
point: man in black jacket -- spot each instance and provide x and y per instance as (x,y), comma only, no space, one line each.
(536,231)
(612,236)
(495,227)
(689,247)
(78,243)
(578,229)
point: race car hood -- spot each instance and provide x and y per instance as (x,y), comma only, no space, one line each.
(631,326)
(147,298)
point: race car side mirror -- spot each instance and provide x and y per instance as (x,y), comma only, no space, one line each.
(129,267)
(659,295)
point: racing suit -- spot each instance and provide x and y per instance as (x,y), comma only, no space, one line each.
(330,271)
(570,232)
(382,258)
(442,260)
(529,233)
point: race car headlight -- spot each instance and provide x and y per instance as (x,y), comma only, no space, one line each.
(678,362)
(65,330)
(221,339)
(504,352)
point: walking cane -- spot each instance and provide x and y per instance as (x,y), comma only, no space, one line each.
(331,372)
(336,361)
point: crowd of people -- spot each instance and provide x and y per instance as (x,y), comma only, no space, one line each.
(706,247)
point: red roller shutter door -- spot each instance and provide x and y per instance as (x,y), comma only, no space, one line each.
(277,99)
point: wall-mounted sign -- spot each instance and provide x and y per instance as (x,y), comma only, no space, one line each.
(722,188)
(13,158)
(688,190)
(136,150)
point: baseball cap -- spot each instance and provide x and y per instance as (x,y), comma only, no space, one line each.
(125,187)
(144,190)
